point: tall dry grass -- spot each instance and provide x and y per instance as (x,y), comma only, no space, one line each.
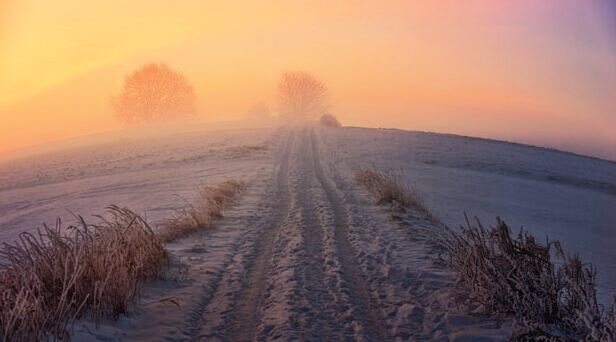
(387,187)
(210,203)
(50,278)
(54,276)
(514,276)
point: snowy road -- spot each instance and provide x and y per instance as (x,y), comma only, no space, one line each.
(305,256)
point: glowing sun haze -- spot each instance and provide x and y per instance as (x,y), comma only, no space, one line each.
(542,72)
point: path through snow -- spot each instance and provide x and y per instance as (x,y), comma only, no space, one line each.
(305,256)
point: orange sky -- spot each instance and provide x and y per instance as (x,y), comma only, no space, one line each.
(534,71)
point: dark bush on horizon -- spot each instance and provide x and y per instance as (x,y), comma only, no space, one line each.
(329,120)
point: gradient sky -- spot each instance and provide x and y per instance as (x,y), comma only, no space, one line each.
(535,71)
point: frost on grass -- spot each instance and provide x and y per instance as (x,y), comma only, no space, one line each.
(387,188)
(514,276)
(51,278)
(210,203)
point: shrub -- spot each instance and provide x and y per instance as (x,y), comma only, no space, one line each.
(50,278)
(53,277)
(515,277)
(209,204)
(328,120)
(387,188)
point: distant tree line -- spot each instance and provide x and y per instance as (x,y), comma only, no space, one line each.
(155,92)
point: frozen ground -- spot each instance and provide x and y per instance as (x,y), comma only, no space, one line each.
(306,254)
(151,175)
(567,197)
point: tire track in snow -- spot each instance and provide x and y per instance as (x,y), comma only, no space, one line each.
(246,315)
(367,310)
(318,304)
(330,306)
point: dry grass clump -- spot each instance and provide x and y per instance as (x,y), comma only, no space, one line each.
(329,120)
(515,277)
(387,188)
(50,278)
(210,203)
(236,152)
(53,277)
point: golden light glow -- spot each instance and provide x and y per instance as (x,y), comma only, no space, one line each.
(535,71)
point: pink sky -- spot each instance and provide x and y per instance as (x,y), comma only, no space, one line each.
(541,72)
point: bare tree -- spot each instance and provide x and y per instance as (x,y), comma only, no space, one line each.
(259,111)
(155,92)
(302,96)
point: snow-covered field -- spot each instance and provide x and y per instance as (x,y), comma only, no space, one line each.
(567,197)
(306,254)
(152,176)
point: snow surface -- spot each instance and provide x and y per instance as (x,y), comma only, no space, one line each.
(296,246)
(561,195)
(153,176)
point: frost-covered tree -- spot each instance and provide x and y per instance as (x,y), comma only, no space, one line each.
(155,92)
(302,96)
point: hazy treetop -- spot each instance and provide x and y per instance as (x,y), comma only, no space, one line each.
(155,92)
(302,96)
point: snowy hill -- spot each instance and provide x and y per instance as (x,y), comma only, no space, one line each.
(303,210)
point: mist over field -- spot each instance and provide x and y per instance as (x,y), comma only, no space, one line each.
(538,73)
(307,171)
